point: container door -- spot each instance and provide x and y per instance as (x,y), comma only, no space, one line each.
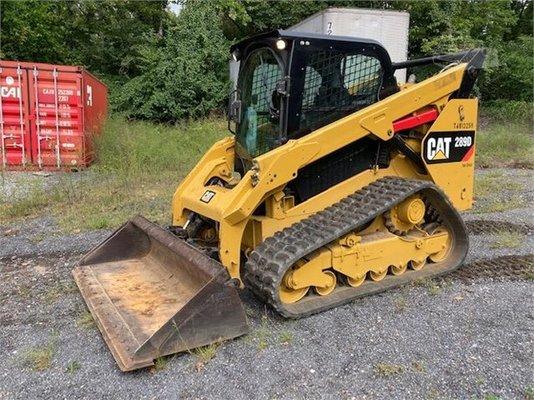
(95,112)
(15,144)
(56,104)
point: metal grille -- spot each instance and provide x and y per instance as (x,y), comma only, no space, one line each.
(337,84)
(259,131)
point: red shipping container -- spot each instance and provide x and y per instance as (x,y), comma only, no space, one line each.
(49,115)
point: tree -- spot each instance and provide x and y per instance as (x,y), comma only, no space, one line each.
(106,37)
(189,75)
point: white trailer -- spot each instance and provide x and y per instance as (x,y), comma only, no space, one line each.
(389,28)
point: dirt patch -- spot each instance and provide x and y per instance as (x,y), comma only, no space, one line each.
(481,227)
(509,268)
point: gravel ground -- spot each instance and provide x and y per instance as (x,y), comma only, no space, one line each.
(452,338)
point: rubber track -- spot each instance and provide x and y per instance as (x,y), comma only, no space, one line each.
(270,260)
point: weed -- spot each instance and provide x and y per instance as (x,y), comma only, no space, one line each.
(38,238)
(285,337)
(40,358)
(434,289)
(73,367)
(505,239)
(204,354)
(263,333)
(421,282)
(418,366)
(529,393)
(497,205)
(160,364)
(85,320)
(400,304)
(432,285)
(262,344)
(384,369)
(138,167)
(58,290)
(505,144)
(24,290)
(492,397)
(433,394)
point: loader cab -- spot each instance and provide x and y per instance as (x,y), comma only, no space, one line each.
(291,83)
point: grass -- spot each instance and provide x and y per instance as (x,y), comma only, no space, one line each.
(285,337)
(140,164)
(493,182)
(498,205)
(85,320)
(40,358)
(138,168)
(505,144)
(507,240)
(385,370)
(58,290)
(529,393)
(73,367)
(160,364)
(204,354)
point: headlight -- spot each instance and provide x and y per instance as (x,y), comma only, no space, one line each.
(280,44)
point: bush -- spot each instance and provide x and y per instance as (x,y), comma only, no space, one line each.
(188,77)
(512,77)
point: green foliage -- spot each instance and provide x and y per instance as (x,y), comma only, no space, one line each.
(512,77)
(109,38)
(189,76)
(436,27)
(165,68)
(33,30)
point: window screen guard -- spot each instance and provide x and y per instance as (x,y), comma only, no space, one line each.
(335,84)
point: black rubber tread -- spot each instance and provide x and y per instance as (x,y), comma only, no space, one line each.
(481,227)
(431,215)
(268,263)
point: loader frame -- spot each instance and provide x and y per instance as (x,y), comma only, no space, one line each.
(272,171)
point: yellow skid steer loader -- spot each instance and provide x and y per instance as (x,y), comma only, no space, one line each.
(337,183)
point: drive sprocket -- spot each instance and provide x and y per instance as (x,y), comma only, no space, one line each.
(403,217)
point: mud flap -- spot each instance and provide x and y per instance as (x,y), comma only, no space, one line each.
(152,294)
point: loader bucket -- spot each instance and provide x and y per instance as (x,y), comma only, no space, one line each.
(152,294)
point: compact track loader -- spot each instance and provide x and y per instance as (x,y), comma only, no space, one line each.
(338,183)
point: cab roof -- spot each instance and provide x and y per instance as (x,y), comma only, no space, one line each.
(295,35)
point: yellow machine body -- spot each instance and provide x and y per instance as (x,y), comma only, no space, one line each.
(240,231)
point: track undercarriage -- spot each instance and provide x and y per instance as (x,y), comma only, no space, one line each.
(389,233)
